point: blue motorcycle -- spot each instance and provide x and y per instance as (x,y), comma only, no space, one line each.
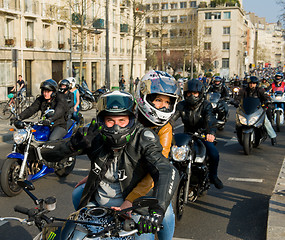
(25,162)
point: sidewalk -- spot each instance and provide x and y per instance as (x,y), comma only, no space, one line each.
(276,208)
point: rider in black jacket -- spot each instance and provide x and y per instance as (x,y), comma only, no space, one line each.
(50,99)
(123,150)
(197,114)
(252,90)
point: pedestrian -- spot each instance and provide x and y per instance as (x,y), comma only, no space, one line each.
(20,87)
(136,83)
(122,83)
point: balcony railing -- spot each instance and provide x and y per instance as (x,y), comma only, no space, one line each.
(46,44)
(124,28)
(30,43)
(60,45)
(98,23)
(10,41)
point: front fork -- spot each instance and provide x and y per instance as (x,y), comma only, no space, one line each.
(186,187)
(26,153)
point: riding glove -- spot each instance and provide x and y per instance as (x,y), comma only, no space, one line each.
(151,223)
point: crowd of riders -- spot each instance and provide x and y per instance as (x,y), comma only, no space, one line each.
(129,141)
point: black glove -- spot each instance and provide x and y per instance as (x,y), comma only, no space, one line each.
(13,119)
(47,122)
(150,223)
(81,140)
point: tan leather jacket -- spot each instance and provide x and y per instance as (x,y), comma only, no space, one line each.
(165,138)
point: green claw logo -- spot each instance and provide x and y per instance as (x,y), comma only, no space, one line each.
(51,236)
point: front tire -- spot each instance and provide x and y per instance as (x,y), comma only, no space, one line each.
(178,201)
(278,121)
(247,144)
(67,169)
(84,105)
(9,177)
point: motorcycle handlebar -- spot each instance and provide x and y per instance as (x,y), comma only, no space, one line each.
(22,210)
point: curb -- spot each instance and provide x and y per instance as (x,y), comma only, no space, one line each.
(276,209)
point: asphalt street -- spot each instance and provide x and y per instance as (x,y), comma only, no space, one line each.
(239,211)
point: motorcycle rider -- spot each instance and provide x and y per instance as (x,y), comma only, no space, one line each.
(278,84)
(197,114)
(252,90)
(218,87)
(50,99)
(265,84)
(122,152)
(64,87)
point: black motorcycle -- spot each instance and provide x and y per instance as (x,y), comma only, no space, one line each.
(250,117)
(188,155)
(86,96)
(99,92)
(92,223)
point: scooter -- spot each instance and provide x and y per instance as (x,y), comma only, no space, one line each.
(90,222)
(250,117)
(26,162)
(189,157)
(86,96)
(278,99)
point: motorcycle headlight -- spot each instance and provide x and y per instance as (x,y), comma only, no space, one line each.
(179,153)
(253,120)
(242,119)
(20,136)
(278,97)
(236,90)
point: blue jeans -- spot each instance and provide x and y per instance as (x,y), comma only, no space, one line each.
(168,222)
(214,158)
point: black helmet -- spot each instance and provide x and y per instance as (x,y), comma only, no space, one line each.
(217,79)
(253,79)
(193,85)
(278,77)
(116,103)
(50,85)
(64,85)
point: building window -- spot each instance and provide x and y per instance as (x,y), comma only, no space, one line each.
(183,19)
(155,6)
(227,15)
(225,63)
(226,46)
(164,6)
(155,20)
(147,33)
(207,46)
(155,34)
(9,28)
(30,31)
(217,15)
(173,5)
(208,15)
(193,4)
(173,33)
(60,35)
(147,7)
(183,5)
(147,20)
(173,19)
(164,19)
(182,33)
(227,30)
(208,30)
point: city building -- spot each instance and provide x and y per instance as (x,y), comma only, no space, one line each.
(45,37)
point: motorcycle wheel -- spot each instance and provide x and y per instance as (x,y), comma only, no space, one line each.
(247,144)
(84,105)
(90,105)
(278,121)
(63,172)
(9,177)
(178,202)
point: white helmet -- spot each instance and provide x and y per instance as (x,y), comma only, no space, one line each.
(157,82)
(72,81)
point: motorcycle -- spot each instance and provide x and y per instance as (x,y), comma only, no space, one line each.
(189,157)
(86,96)
(90,222)
(250,117)
(99,92)
(218,109)
(26,162)
(278,99)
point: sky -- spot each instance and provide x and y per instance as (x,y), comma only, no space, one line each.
(264,8)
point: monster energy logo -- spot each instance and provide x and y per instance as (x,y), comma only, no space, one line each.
(51,236)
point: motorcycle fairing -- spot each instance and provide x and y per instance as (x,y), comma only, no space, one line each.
(250,104)
(182,139)
(70,130)
(42,133)
(15,155)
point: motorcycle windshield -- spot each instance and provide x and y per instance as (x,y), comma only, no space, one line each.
(213,97)
(250,104)
(182,139)
(84,85)
(278,93)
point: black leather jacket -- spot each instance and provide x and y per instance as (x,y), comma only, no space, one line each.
(257,92)
(222,90)
(198,118)
(58,103)
(141,155)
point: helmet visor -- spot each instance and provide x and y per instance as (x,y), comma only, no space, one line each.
(115,103)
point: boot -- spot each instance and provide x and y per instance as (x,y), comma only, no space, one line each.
(217,182)
(273,141)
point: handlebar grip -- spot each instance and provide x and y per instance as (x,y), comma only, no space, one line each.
(129,224)
(22,210)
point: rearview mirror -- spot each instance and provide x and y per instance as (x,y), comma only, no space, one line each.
(49,113)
